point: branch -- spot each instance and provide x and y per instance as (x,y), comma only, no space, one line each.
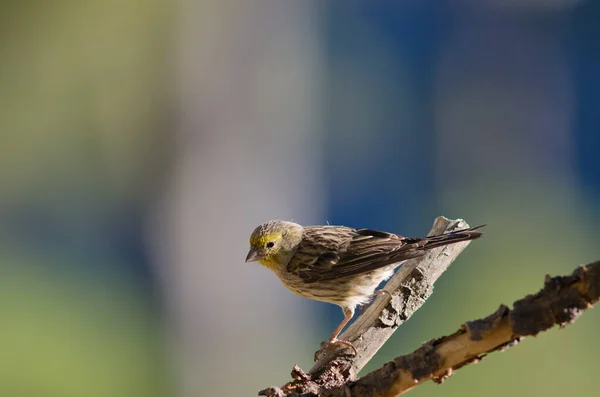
(410,286)
(560,302)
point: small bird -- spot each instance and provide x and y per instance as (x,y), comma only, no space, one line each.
(338,264)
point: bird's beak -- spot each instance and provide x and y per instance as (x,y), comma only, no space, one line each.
(252,256)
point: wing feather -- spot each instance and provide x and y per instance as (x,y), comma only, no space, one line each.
(331,252)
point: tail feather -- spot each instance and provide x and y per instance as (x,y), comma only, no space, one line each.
(427,243)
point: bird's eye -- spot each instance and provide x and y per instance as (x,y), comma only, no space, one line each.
(270,244)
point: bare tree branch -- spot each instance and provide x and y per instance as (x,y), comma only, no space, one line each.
(560,302)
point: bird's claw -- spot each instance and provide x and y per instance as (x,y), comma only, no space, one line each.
(325,346)
(344,343)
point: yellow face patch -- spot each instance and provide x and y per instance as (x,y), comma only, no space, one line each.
(260,241)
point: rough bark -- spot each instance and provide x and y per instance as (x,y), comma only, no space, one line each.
(560,302)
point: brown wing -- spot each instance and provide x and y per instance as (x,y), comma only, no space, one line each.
(327,254)
(331,252)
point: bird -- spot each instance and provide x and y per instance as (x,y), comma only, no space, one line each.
(338,264)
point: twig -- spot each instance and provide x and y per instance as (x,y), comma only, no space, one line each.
(409,288)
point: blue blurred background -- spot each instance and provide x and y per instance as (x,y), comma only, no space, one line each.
(142,141)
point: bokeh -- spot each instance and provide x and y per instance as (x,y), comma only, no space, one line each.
(142,141)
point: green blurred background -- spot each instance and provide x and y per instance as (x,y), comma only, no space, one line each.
(143,141)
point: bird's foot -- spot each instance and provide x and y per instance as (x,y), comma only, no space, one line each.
(327,346)
(333,342)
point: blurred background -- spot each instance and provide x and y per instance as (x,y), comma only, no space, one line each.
(142,141)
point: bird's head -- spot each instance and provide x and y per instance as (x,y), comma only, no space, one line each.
(273,243)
